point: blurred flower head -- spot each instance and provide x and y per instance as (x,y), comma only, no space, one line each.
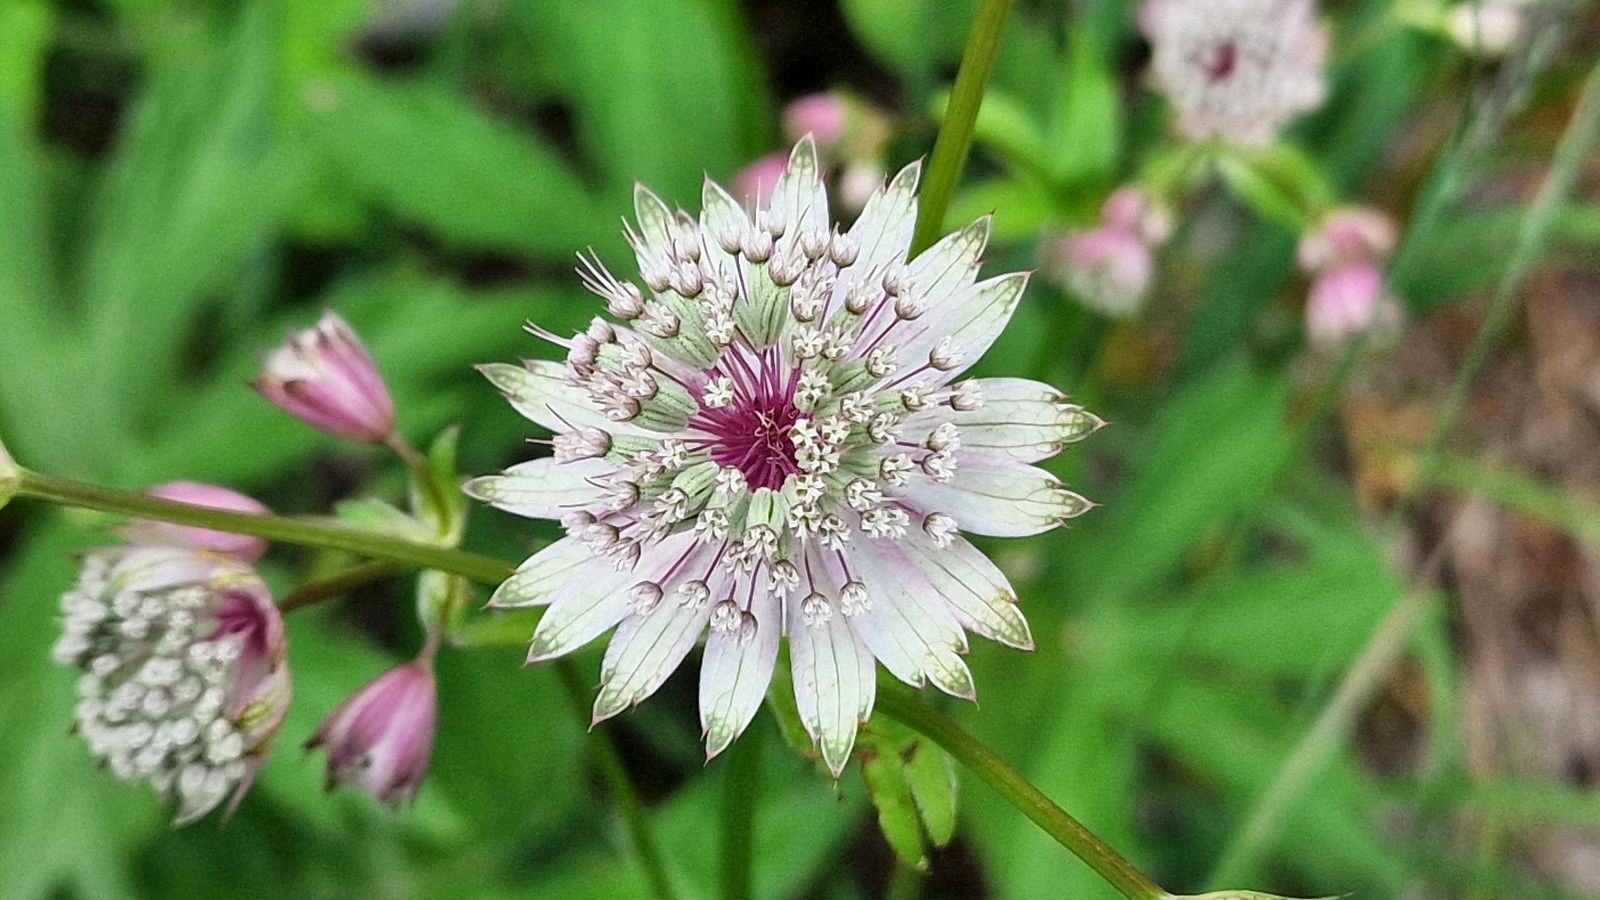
(1488,28)
(1236,69)
(381,738)
(757,179)
(184,679)
(1345,235)
(1132,209)
(1109,268)
(10,476)
(324,377)
(1345,301)
(844,127)
(244,546)
(776,442)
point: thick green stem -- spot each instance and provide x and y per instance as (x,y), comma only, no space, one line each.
(739,815)
(622,789)
(909,708)
(309,532)
(960,116)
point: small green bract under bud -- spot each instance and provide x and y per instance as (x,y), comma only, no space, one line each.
(10,477)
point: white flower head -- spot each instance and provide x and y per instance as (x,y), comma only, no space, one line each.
(824,462)
(1236,69)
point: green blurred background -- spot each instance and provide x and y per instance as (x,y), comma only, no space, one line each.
(180,182)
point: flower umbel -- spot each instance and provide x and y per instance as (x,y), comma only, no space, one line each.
(381,738)
(185,681)
(1236,69)
(324,377)
(776,442)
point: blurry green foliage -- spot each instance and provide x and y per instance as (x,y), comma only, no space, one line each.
(261,168)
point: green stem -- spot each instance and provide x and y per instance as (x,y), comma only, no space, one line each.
(338,583)
(905,705)
(960,116)
(310,532)
(622,789)
(739,815)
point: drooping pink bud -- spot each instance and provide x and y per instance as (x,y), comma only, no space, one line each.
(822,115)
(381,738)
(1109,268)
(1351,234)
(759,177)
(324,377)
(185,677)
(244,546)
(1346,301)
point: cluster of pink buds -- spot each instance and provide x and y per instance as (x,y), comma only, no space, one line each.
(850,136)
(1344,254)
(1111,267)
(381,737)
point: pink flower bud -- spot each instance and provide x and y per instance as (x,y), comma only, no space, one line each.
(324,377)
(244,546)
(1344,302)
(185,679)
(758,178)
(1351,234)
(381,737)
(822,115)
(1109,268)
(1130,208)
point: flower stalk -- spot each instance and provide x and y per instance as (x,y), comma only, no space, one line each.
(961,115)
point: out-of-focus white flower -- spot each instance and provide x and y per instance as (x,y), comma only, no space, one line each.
(1345,301)
(324,377)
(381,737)
(1109,268)
(1236,69)
(184,679)
(1488,28)
(857,183)
(793,455)
(246,547)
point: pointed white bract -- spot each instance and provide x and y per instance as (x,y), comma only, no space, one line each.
(773,443)
(1236,69)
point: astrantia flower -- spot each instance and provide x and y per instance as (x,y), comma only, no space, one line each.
(381,737)
(185,681)
(776,442)
(246,547)
(1236,69)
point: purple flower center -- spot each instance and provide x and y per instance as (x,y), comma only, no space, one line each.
(1221,61)
(753,432)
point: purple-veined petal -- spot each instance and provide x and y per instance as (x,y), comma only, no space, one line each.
(735,672)
(908,627)
(541,488)
(596,598)
(542,574)
(976,591)
(1020,419)
(883,230)
(997,497)
(972,320)
(945,270)
(647,648)
(538,389)
(800,193)
(833,683)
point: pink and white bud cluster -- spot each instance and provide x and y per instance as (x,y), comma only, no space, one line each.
(380,739)
(1344,254)
(775,442)
(324,377)
(1236,70)
(185,680)
(1111,267)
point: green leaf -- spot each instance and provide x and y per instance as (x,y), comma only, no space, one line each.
(25,27)
(440,504)
(931,773)
(1006,128)
(428,156)
(898,819)
(377,515)
(1022,206)
(1085,139)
